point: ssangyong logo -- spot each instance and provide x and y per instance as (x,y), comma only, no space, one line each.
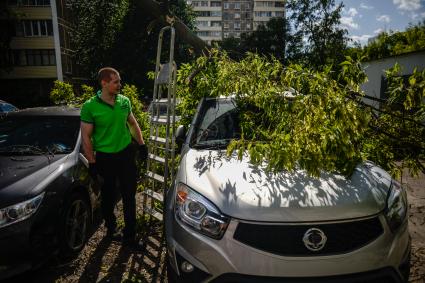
(314,239)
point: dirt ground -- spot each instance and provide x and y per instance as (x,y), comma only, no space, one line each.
(103,261)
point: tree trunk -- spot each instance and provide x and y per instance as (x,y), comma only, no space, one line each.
(182,31)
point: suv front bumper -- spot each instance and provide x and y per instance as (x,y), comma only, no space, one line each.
(228,260)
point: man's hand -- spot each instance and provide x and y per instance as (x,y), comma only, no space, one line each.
(93,171)
(143,152)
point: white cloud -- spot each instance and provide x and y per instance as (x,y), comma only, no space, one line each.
(361,38)
(383,18)
(349,22)
(352,12)
(415,16)
(366,7)
(408,5)
(378,31)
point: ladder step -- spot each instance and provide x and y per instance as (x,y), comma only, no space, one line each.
(159,120)
(153,212)
(157,158)
(154,195)
(160,101)
(158,139)
(154,176)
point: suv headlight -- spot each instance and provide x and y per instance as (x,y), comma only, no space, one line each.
(20,211)
(199,213)
(396,209)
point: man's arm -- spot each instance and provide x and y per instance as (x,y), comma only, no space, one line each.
(135,129)
(86,133)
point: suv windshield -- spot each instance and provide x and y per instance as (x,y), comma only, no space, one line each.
(217,125)
(38,135)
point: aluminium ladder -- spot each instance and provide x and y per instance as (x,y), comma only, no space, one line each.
(161,158)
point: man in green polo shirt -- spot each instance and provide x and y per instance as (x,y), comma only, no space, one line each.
(107,128)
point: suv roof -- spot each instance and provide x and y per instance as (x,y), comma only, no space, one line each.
(47,111)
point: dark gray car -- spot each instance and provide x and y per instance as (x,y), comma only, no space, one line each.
(48,203)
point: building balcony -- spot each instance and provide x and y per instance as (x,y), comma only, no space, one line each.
(31,72)
(207,28)
(46,42)
(34,13)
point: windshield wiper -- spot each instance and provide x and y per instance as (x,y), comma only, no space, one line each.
(22,149)
(219,144)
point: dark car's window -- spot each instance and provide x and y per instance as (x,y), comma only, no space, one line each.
(217,125)
(35,134)
(6,107)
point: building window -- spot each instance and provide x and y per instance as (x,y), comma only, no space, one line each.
(237,6)
(215,4)
(215,23)
(35,28)
(202,33)
(226,6)
(226,35)
(204,3)
(216,33)
(226,25)
(215,13)
(40,57)
(263,14)
(248,26)
(279,4)
(237,16)
(237,34)
(29,2)
(203,13)
(202,23)
(237,26)
(279,14)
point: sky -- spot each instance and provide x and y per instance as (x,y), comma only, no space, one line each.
(367,18)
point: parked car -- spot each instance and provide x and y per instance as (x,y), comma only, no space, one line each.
(48,203)
(7,107)
(230,221)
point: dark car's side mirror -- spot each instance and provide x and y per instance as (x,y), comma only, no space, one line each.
(180,136)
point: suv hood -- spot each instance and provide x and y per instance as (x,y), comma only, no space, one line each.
(242,190)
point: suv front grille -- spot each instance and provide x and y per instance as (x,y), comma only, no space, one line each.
(287,240)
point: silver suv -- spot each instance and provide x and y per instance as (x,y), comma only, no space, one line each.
(230,221)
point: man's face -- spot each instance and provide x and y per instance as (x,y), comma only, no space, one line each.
(114,85)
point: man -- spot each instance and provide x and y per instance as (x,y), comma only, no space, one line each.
(107,127)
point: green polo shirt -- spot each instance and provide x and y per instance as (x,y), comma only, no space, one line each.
(110,133)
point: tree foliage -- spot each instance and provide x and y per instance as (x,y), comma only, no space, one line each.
(392,43)
(122,34)
(269,39)
(63,94)
(298,117)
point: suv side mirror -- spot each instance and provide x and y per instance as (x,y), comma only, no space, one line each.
(180,136)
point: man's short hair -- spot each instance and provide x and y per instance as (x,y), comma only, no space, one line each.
(104,74)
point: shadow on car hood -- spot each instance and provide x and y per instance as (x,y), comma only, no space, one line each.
(19,174)
(248,192)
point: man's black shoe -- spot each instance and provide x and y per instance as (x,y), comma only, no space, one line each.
(133,244)
(114,236)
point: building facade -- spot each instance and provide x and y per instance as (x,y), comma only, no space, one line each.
(217,19)
(40,51)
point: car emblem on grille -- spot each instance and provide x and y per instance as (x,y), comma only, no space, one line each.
(314,239)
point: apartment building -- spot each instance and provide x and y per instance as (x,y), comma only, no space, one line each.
(230,18)
(40,51)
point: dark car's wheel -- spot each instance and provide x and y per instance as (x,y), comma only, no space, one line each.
(75,226)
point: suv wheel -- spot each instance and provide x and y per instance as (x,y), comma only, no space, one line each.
(75,225)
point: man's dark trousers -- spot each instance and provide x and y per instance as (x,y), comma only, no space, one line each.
(119,166)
